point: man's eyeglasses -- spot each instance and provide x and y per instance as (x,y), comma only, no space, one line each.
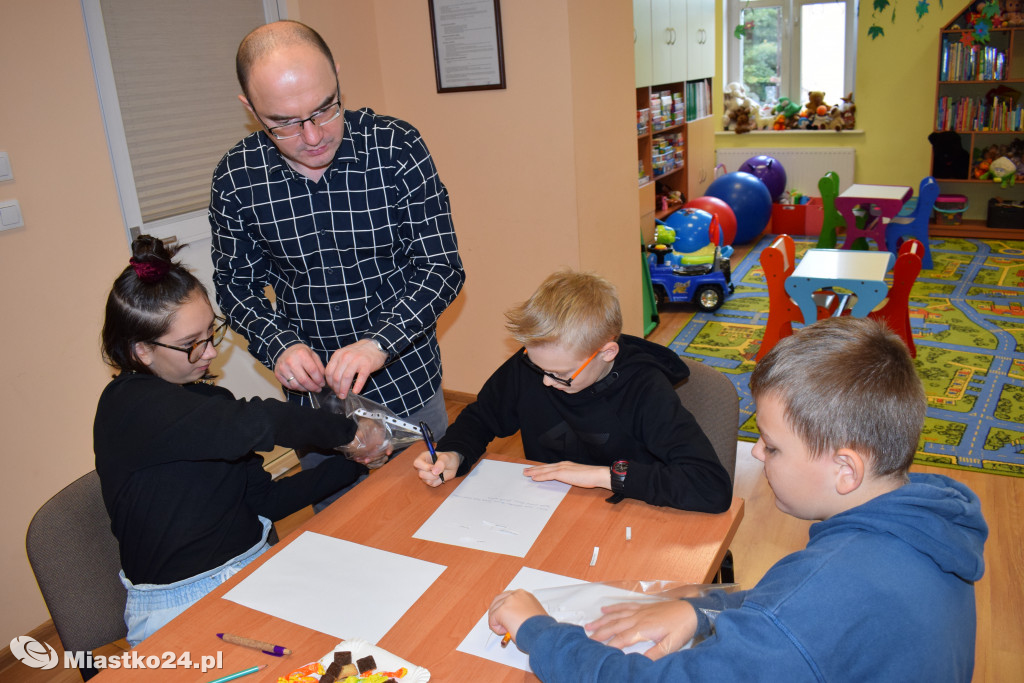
(195,350)
(561,380)
(294,129)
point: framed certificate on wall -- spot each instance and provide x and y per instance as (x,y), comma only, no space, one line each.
(467,45)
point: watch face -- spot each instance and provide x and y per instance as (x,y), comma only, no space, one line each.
(620,466)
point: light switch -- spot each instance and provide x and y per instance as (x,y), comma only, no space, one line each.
(10,214)
(5,167)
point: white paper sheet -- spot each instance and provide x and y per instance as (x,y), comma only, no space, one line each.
(580,605)
(337,587)
(496,509)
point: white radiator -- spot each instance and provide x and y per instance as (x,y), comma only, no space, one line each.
(804,165)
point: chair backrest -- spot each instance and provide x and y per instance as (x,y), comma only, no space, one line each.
(828,187)
(778,261)
(927,194)
(712,400)
(76,561)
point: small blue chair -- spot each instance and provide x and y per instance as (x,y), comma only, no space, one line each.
(915,225)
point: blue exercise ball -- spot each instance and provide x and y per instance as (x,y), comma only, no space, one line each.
(692,228)
(749,200)
(769,171)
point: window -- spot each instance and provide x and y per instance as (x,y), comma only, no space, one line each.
(166,80)
(788,48)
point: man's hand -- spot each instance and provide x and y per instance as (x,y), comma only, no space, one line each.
(447,462)
(350,366)
(510,609)
(572,473)
(671,624)
(299,369)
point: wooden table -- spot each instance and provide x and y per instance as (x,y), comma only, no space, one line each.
(860,272)
(383,512)
(888,198)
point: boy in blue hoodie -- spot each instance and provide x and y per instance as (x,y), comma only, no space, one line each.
(597,407)
(884,589)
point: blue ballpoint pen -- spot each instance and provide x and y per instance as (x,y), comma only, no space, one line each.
(428,437)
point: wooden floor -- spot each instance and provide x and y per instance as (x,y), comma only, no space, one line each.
(766,535)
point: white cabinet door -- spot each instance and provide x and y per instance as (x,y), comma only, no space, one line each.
(668,40)
(642,42)
(700,42)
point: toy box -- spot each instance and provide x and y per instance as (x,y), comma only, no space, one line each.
(949,209)
(1005,214)
(797,219)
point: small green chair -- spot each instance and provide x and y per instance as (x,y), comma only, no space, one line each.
(832,220)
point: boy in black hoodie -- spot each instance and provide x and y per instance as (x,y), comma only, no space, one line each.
(596,406)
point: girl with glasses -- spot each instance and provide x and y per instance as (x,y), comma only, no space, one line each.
(189,500)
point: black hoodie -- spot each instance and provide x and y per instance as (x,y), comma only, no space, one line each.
(632,414)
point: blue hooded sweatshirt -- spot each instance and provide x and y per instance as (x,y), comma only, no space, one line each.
(883,592)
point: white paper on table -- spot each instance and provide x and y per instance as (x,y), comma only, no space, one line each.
(579,606)
(496,509)
(337,587)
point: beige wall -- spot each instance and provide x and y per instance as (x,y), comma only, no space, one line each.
(54,274)
(540,176)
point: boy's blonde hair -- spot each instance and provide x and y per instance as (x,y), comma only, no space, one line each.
(847,383)
(576,310)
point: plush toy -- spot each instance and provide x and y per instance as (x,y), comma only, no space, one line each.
(835,119)
(1002,171)
(981,169)
(817,99)
(743,123)
(733,99)
(1013,12)
(848,110)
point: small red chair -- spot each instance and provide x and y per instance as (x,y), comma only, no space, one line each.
(778,260)
(895,311)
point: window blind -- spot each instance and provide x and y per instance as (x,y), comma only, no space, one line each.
(174,70)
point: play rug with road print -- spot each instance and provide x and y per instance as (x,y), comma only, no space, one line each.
(967,317)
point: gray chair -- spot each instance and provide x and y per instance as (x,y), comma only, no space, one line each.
(76,561)
(712,400)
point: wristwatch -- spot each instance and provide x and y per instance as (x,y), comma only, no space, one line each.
(380,347)
(618,469)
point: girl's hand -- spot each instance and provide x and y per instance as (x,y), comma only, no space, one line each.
(572,473)
(447,462)
(510,609)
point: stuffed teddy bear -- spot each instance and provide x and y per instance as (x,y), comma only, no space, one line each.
(1013,12)
(817,99)
(734,97)
(742,119)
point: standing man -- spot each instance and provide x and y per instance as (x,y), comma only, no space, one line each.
(343,215)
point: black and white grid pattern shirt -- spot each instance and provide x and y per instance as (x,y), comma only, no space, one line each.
(368,252)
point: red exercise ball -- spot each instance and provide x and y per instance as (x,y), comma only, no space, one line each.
(718,208)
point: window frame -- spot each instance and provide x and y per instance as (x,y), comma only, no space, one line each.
(790,58)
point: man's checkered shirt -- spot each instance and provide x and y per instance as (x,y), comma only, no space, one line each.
(368,252)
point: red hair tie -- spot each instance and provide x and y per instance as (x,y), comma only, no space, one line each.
(150,271)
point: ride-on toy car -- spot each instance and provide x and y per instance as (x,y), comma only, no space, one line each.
(704,284)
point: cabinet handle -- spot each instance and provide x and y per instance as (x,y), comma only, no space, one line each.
(634,36)
(671,35)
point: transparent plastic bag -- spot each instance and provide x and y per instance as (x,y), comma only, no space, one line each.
(379,430)
(581,604)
